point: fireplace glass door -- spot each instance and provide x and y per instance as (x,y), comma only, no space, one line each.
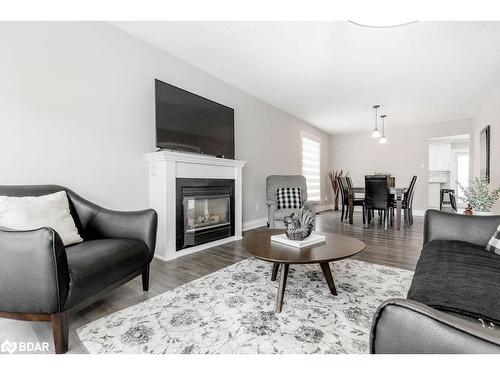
(203,213)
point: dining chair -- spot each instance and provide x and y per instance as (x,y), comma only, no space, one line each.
(377,197)
(343,198)
(344,195)
(406,204)
(451,196)
(349,181)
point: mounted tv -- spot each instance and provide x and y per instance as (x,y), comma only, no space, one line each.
(189,122)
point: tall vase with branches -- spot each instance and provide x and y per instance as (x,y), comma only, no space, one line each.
(334,175)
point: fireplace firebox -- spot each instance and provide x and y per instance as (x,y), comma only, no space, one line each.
(204,211)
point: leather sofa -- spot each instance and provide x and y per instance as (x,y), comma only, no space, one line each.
(452,243)
(42,280)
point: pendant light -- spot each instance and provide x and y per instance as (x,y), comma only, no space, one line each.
(383,139)
(376,133)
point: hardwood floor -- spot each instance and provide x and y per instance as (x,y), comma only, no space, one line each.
(393,248)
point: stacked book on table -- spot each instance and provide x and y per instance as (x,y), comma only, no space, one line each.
(313,239)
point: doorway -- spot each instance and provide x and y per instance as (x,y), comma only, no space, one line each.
(449,159)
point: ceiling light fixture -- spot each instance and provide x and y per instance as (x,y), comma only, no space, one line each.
(383,139)
(374,25)
(376,133)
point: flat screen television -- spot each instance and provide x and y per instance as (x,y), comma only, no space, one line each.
(189,122)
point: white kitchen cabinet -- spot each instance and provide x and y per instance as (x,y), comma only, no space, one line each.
(434,194)
(432,157)
(439,156)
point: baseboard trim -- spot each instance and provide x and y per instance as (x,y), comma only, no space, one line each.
(324,207)
(197,248)
(419,212)
(415,211)
(262,222)
(164,259)
(252,224)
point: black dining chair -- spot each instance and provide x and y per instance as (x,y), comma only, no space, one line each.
(377,197)
(344,195)
(451,196)
(349,181)
(406,204)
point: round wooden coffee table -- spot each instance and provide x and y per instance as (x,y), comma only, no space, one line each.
(336,247)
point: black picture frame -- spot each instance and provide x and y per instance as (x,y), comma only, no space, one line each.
(484,154)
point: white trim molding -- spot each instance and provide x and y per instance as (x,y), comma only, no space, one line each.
(262,222)
(419,212)
(164,169)
(257,223)
(186,157)
(324,207)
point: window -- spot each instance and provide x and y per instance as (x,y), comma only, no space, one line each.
(311,165)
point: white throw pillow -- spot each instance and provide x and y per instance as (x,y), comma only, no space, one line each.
(27,213)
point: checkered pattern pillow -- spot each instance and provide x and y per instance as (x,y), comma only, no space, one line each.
(494,244)
(289,197)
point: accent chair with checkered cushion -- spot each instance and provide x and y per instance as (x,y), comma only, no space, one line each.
(292,192)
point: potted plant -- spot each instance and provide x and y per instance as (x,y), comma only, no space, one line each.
(479,197)
(334,175)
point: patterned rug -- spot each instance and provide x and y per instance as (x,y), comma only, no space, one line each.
(232,311)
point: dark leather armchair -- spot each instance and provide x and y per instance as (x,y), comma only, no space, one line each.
(410,327)
(41,279)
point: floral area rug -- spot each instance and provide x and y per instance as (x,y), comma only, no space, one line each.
(232,311)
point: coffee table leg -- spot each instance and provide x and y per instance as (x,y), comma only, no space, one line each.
(276,267)
(325,267)
(281,287)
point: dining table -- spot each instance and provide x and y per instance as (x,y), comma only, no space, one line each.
(358,192)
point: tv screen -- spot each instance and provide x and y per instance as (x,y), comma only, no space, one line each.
(188,122)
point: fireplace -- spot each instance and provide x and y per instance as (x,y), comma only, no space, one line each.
(204,211)
(174,174)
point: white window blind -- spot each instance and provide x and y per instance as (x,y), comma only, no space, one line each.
(311,166)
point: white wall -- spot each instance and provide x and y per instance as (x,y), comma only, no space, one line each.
(489,114)
(76,109)
(405,154)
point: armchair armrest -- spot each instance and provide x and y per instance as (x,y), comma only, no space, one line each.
(137,225)
(34,276)
(98,222)
(405,326)
(311,206)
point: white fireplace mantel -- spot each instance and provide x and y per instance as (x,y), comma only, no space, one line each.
(164,168)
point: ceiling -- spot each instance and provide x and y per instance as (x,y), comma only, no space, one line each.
(331,73)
